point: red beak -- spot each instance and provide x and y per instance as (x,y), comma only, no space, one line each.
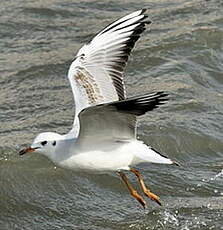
(26,150)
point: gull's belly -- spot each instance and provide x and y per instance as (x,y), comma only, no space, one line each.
(99,161)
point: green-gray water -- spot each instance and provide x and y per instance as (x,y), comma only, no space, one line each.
(182,54)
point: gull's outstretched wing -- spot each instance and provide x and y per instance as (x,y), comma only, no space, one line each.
(96,75)
(115,121)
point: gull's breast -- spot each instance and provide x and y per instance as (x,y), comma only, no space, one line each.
(119,159)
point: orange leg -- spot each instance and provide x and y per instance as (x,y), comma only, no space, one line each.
(146,191)
(132,191)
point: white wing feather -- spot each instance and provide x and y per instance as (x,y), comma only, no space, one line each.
(115,121)
(96,75)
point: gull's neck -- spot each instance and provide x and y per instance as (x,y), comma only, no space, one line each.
(63,150)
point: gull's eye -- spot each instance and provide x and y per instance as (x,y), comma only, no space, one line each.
(54,143)
(43,143)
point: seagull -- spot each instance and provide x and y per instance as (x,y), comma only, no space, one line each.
(103,136)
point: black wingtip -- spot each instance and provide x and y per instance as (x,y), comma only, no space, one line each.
(139,105)
(176,163)
(144,10)
(145,16)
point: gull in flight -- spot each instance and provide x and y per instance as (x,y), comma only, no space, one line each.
(103,137)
